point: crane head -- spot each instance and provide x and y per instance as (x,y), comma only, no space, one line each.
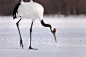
(53,32)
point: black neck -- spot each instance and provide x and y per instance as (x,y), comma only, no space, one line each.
(45,25)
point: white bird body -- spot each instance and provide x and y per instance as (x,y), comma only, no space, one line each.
(30,10)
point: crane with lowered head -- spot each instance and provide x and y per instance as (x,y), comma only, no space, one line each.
(30,10)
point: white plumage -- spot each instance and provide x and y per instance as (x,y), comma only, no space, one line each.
(30,10)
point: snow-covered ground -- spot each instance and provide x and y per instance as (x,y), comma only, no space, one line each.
(71,37)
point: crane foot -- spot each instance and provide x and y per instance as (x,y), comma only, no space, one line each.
(32,48)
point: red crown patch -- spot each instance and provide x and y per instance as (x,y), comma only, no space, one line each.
(54,29)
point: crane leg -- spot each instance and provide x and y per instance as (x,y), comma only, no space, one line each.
(17,24)
(30,37)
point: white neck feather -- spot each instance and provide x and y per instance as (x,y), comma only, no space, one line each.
(31,0)
(22,1)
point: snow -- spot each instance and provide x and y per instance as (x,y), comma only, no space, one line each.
(71,37)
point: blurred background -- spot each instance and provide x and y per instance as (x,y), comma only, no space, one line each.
(65,7)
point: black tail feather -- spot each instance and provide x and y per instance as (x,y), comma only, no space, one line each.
(15,10)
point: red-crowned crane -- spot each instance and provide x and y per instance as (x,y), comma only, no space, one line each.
(30,10)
